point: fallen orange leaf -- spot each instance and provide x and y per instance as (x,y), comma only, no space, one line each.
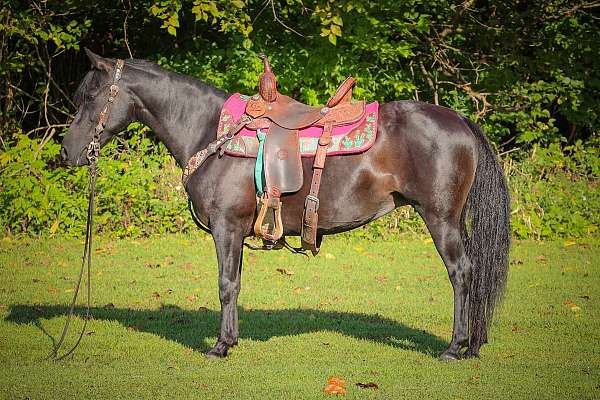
(334,389)
(335,385)
(574,307)
(336,381)
(191,298)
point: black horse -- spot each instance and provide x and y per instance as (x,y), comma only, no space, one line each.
(426,156)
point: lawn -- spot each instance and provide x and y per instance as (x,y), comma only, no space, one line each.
(376,312)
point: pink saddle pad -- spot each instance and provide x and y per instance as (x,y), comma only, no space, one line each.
(346,139)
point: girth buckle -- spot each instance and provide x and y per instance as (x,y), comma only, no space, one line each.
(312,198)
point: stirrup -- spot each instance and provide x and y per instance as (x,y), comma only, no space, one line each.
(268,224)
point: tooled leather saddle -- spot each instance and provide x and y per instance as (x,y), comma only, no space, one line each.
(278,130)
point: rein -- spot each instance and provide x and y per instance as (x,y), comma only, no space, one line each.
(93,152)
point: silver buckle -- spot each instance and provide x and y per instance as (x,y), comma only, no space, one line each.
(312,198)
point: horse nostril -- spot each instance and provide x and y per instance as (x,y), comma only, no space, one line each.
(63,153)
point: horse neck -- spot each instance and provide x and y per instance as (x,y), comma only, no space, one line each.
(183,112)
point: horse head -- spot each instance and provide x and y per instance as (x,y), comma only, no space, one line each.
(92,98)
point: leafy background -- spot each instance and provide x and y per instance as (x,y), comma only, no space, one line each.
(523,70)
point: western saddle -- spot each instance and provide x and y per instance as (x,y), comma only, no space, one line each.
(277,119)
(283,116)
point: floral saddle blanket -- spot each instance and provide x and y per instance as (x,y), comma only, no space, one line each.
(352,138)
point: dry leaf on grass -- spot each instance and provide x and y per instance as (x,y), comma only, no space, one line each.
(333,389)
(187,266)
(336,381)
(335,385)
(284,271)
(300,290)
(368,385)
(191,298)
(574,307)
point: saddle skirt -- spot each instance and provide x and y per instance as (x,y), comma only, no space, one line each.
(352,138)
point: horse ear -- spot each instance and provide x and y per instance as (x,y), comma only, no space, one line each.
(98,62)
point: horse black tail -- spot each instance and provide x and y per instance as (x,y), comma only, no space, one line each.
(486,238)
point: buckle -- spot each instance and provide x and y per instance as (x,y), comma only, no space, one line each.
(113,90)
(312,198)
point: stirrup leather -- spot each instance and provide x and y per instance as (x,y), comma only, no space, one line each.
(268,224)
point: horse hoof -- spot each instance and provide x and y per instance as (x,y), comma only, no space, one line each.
(471,354)
(449,356)
(213,355)
(217,352)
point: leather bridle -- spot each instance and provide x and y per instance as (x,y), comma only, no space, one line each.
(93,152)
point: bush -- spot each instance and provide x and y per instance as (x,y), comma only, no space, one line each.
(138,190)
(554,192)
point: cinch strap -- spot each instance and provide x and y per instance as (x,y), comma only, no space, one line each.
(259,175)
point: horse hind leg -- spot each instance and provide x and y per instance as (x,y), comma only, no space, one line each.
(446,233)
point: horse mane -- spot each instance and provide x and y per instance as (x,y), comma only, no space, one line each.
(79,96)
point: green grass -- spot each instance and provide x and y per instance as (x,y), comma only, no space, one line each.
(367,312)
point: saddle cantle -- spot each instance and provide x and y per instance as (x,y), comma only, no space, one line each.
(279,130)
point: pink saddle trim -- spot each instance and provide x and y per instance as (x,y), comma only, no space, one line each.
(346,139)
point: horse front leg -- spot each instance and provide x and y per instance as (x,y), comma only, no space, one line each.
(229,245)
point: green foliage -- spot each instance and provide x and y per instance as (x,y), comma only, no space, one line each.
(138,190)
(34,197)
(555,192)
(526,71)
(167,11)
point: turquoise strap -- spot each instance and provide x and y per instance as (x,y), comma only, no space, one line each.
(259,176)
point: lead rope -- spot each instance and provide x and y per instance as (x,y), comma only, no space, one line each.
(93,152)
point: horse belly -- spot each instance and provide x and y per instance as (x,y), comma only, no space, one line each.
(354,191)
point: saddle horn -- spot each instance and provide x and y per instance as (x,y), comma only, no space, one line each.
(267,83)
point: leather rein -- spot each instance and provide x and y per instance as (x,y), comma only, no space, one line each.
(92,153)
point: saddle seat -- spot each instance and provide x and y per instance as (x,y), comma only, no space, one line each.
(291,114)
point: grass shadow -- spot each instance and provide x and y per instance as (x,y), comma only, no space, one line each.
(191,328)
